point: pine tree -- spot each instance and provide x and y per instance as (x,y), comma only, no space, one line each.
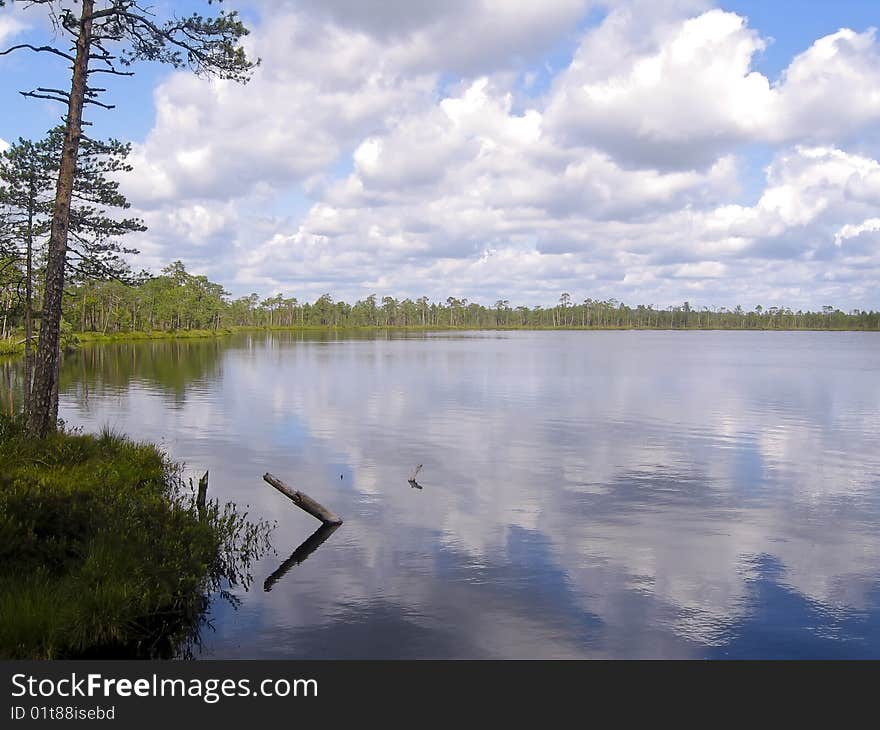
(28,171)
(109,39)
(27,174)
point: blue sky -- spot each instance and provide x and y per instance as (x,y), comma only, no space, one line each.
(648,151)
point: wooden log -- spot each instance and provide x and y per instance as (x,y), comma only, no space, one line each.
(303,501)
(312,543)
(202,495)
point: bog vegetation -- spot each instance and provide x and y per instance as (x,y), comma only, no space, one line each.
(103,550)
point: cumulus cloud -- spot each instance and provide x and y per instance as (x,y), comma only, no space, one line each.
(318,91)
(471,172)
(630,176)
(467,37)
(693,95)
(331,73)
(675,105)
(827,93)
(9,26)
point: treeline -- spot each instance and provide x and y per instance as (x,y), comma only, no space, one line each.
(177,300)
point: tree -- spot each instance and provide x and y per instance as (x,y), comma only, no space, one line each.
(565,303)
(205,45)
(389,308)
(93,246)
(423,307)
(28,172)
(372,309)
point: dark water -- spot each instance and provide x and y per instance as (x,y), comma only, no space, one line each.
(585,494)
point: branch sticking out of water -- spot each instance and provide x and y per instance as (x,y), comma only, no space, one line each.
(412,480)
(202,495)
(303,501)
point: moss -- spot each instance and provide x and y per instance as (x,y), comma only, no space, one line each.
(103,551)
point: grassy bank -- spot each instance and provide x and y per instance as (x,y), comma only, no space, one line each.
(11,346)
(152,335)
(103,551)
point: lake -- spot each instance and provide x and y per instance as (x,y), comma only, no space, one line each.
(584,494)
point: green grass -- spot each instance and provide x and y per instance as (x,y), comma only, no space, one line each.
(103,551)
(11,346)
(152,335)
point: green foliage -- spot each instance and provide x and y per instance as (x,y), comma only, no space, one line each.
(177,301)
(102,549)
(179,304)
(89,337)
(206,46)
(28,175)
(10,346)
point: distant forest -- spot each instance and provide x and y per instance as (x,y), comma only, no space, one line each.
(177,300)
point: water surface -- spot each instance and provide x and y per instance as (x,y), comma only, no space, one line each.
(585,494)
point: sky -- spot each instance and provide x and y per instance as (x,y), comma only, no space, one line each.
(649,151)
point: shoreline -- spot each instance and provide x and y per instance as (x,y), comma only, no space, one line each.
(108,552)
(11,347)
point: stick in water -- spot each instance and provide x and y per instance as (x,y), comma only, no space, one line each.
(303,501)
(202,495)
(412,480)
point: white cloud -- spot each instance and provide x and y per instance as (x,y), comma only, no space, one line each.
(9,27)
(468,37)
(830,91)
(4,145)
(692,94)
(849,230)
(624,179)
(320,89)
(674,106)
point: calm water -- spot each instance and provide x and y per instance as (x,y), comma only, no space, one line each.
(585,494)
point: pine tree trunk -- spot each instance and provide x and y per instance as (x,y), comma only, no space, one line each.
(45,387)
(29,298)
(53,407)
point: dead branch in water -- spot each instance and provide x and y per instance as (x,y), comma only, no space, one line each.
(202,495)
(303,501)
(412,480)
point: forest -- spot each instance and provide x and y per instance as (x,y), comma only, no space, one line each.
(178,301)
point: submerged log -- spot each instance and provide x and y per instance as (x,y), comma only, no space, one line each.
(303,501)
(312,543)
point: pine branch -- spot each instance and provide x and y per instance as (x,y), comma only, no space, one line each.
(37,49)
